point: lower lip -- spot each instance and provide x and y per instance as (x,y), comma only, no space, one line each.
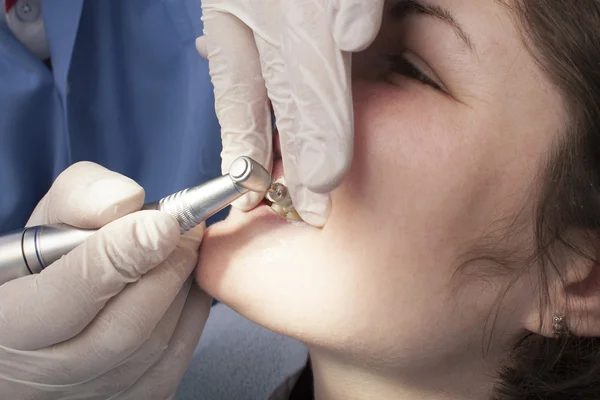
(266,213)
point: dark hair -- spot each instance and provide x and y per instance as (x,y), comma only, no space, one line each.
(564,38)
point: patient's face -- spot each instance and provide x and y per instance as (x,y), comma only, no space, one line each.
(436,165)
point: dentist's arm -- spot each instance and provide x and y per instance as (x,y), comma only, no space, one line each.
(295,54)
(117,316)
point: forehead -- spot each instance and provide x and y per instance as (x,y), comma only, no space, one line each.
(489,24)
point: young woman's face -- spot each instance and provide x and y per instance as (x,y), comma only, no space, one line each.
(454,121)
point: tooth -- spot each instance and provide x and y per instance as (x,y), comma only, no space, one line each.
(285,210)
(278,209)
(293,215)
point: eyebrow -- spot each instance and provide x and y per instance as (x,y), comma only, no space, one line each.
(403,7)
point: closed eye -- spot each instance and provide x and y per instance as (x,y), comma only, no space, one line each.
(398,64)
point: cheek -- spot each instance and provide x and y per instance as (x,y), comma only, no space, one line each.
(419,170)
(428,179)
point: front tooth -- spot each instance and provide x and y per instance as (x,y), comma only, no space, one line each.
(293,215)
(287,211)
(278,209)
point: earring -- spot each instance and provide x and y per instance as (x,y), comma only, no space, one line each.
(560,327)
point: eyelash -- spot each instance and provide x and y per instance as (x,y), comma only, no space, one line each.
(400,65)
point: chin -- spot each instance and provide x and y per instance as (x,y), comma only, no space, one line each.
(261,264)
(287,276)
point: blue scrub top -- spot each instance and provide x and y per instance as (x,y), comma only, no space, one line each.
(127,90)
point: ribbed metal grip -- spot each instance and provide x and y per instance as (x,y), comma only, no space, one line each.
(177,206)
(192,206)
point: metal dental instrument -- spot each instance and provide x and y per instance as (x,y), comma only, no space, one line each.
(277,193)
(32,249)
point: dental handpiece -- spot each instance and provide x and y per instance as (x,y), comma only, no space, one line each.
(32,249)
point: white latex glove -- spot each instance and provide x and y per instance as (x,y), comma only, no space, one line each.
(294,53)
(116,318)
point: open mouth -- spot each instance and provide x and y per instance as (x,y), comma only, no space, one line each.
(279,201)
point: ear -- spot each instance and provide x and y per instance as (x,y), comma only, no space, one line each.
(582,299)
(576,297)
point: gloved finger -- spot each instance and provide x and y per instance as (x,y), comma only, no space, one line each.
(240,95)
(152,351)
(314,208)
(162,379)
(87,195)
(58,366)
(40,310)
(355,23)
(319,77)
(129,319)
(201,47)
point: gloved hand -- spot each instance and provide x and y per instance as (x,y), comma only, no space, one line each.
(117,317)
(295,53)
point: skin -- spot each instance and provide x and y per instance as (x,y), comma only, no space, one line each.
(372,293)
